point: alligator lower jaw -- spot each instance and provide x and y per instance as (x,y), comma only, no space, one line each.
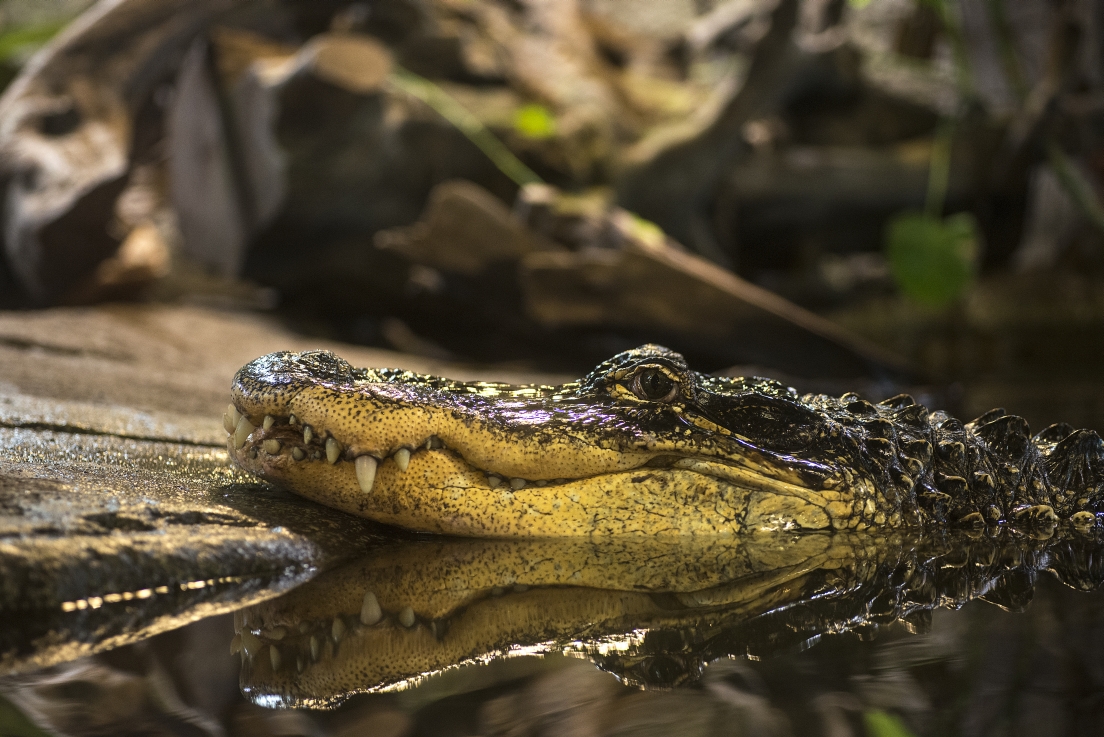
(434,489)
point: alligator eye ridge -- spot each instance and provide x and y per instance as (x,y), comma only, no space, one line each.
(654,385)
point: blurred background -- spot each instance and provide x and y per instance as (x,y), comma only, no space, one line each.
(843,194)
(846,195)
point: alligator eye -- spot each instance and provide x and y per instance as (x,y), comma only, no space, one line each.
(655,385)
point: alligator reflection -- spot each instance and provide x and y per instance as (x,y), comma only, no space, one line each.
(653,612)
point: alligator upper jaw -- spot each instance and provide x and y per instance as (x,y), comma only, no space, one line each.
(429,486)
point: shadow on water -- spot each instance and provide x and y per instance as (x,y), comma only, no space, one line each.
(812,634)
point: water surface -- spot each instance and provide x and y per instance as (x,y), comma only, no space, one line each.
(997,632)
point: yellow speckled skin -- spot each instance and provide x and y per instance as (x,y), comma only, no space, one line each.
(585,464)
(440,492)
(643,446)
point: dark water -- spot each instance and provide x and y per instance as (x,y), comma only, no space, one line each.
(989,633)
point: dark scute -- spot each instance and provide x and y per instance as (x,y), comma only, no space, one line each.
(1057,432)
(860,407)
(948,425)
(1007,435)
(953,485)
(879,428)
(898,402)
(989,416)
(1077,463)
(914,416)
(919,449)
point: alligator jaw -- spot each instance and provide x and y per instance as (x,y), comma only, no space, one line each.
(440,491)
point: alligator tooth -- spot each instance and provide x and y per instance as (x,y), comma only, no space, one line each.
(271,446)
(299,664)
(292,419)
(274,657)
(276,633)
(370,611)
(236,643)
(337,631)
(333,450)
(402,458)
(241,432)
(304,628)
(251,644)
(516,484)
(433,442)
(298,454)
(307,434)
(269,421)
(493,481)
(230,418)
(315,648)
(406,617)
(366,472)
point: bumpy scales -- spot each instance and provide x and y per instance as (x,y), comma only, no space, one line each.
(643,445)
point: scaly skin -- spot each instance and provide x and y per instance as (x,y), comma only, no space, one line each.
(643,445)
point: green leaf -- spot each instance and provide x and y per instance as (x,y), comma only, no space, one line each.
(534,121)
(883,724)
(14,724)
(23,39)
(933,261)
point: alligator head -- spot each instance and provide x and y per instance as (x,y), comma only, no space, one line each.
(641,445)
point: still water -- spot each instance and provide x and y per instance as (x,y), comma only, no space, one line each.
(998,632)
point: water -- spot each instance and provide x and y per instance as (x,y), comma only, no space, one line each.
(997,632)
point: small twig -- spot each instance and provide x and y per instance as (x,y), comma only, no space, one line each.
(939,169)
(473,129)
(1006,46)
(949,19)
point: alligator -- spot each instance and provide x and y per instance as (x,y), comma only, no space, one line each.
(644,445)
(421,607)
